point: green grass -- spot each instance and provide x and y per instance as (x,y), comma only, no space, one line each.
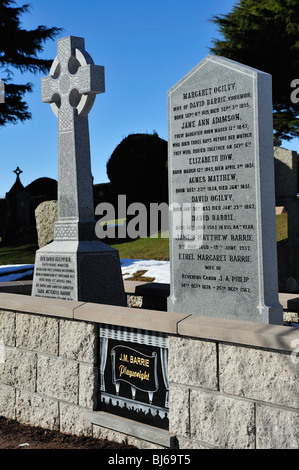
(18,254)
(142,248)
(281,226)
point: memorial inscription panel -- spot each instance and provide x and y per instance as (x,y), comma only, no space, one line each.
(134,375)
(219,257)
(56,276)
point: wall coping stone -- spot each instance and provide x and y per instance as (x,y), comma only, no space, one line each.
(16,287)
(38,305)
(276,337)
(130,317)
(155,289)
(289,301)
(131,428)
(98,313)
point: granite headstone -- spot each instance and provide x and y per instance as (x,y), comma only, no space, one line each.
(75,266)
(286,189)
(221,170)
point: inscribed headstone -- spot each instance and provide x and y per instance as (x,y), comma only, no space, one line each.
(223,261)
(75,266)
(286,190)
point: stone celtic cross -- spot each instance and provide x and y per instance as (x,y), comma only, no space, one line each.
(71,88)
(75,266)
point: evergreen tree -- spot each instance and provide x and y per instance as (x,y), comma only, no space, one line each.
(264,34)
(138,168)
(18,50)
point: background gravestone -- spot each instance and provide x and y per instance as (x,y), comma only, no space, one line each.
(221,161)
(286,189)
(45,216)
(75,266)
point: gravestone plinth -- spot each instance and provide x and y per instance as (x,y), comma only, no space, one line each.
(221,173)
(75,266)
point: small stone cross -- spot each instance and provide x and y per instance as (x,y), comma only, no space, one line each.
(71,88)
(17,171)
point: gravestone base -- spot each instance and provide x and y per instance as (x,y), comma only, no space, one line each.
(261,313)
(87,271)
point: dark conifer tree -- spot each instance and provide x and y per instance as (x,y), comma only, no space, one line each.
(264,34)
(19,50)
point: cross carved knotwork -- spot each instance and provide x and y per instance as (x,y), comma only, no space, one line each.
(73,82)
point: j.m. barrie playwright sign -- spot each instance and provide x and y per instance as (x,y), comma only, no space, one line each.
(221,170)
(134,374)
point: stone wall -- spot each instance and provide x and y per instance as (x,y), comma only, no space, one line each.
(232,397)
(232,384)
(49,375)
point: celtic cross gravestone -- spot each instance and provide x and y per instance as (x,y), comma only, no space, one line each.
(75,266)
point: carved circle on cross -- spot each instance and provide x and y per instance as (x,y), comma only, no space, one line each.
(82,102)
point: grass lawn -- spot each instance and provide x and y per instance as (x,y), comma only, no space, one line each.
(281,226)
(142,248)
(18,254)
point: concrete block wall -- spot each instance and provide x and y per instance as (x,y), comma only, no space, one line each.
(232,397)
(49,377)
(239,388)
(233,385)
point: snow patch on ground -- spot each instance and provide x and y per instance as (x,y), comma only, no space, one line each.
(9,273)
(160,270)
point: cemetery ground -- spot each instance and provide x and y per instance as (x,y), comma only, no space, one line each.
(14,435)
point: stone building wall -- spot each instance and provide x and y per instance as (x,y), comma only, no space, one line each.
(233,385)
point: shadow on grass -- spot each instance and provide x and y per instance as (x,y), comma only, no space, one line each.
(18,254)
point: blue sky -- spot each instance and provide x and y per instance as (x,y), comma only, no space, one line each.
(145,47)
